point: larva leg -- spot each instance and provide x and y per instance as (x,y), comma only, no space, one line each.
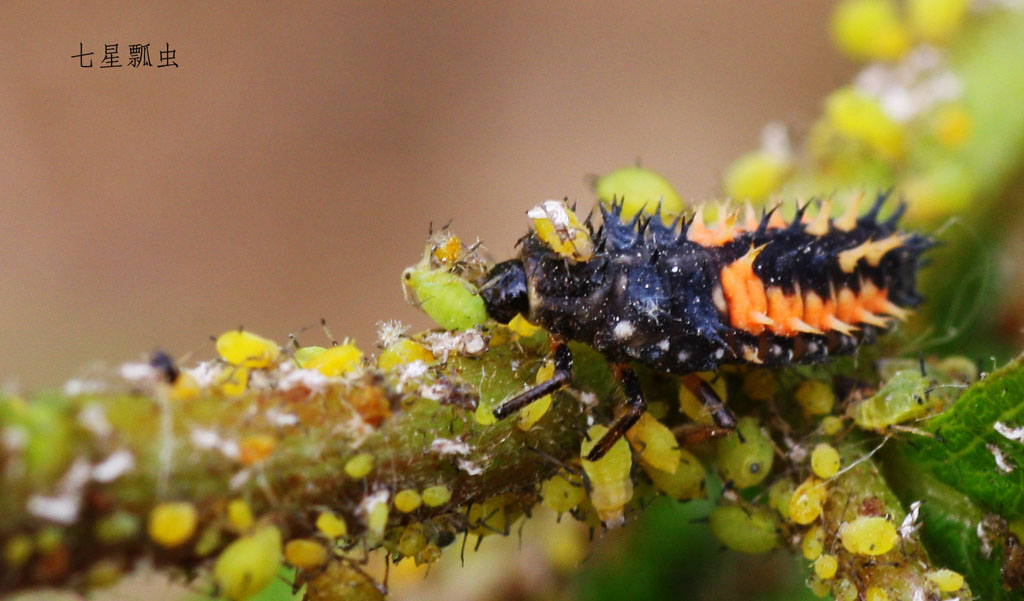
(636,406)
(561,377)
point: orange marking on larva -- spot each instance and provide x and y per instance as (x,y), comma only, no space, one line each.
(780,310)
(745,294)
(847,305)
(819,225)
(734,287)
(814,310)
(723,232)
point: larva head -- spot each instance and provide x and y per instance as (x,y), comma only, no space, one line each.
(504,291)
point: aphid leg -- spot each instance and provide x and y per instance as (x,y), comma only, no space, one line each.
(725,421)
(561,377)
(636,406)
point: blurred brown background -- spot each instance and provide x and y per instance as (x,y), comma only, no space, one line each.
(289,168)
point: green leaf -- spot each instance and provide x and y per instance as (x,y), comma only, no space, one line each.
(963,453)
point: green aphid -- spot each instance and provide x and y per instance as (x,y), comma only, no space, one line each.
(448,299)
(745,529)
(745,456)
(903,398)
(639,188)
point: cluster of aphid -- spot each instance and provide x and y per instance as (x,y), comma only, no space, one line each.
(260,407)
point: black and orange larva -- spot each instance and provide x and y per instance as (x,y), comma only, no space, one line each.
(688,298)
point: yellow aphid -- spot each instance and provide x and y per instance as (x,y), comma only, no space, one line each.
(845,591)
(521,327)
(779,494)
(448,248)
(245,349)
(861,118)
(639,189)
(405,350)
(824,460)
(532,413)
(655,444)
(868,535)
(306,354)
(171,524)
(869,29)
(233,381)
(807,501)
(337,360)
(17,550)
(208,541)
(813,543)
(558,227)
(484,415)
(247,565)
(239,515)
(412,540)
(407,500)
(745,456)
(752,529)
(359,466)
(948,581)
(435,496)
(831,425)
(564,492)
(489,517)
(825,566)
(936,20)
(953,125)
(819,588)
(255,448)
(876,593)
(755,176)
(611,486)
(339,580)
(305,553)
(377,516)
(49,539)
(815,397)
(185,388)
(331,525)
(691,405)
(687,482)
(759,384)
(103,573)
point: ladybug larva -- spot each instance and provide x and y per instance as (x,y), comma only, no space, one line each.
(685,297)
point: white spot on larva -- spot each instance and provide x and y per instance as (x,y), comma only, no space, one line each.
(119,463)
(718,296)
(776,350)
(1004,464)
(812,347)
(683,356)
(93,418)
(1016,434)
(664,344)
(719,353)
(623,330)
(470,467)
(445,446)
